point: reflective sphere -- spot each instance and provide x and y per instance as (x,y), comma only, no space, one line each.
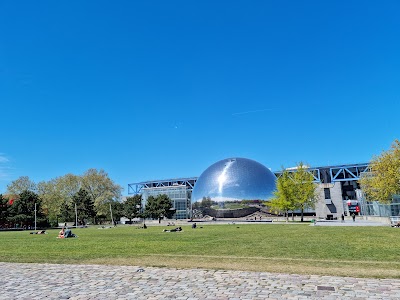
(235,179)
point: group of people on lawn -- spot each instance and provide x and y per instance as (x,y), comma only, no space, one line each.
(67,233)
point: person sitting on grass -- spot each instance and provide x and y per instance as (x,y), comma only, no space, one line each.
(65,233)
(61,233)
(142,227)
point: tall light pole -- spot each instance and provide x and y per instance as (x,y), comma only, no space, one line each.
(35,216)
(76,216)
(112,219)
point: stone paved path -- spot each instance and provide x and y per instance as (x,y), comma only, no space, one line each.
(48,281)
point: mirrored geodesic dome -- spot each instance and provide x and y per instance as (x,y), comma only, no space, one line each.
(234,179)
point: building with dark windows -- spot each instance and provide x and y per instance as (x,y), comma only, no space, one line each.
(243,179)
(338,190)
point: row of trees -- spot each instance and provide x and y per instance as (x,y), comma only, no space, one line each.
(93,193)
(156,207)
(91,197)
(21,211)
(206,202)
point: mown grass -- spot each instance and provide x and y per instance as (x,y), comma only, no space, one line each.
(288,248)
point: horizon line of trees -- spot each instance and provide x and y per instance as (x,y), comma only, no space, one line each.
(19,212)
(58,195)
(92,195)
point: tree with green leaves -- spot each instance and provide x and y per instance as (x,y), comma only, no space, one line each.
(4,210)
(304,189)
(84,205)
(52,199)
(158,207)
(117,210)
(57,194)
(22,211)
(132,207)
(101,189)
(283,199)
(295,190)
(20,185)
(67,212)
(206,202)
(383,180)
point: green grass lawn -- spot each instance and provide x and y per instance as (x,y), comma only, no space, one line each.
(288,248)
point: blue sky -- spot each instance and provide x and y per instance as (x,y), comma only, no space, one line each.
(162,89)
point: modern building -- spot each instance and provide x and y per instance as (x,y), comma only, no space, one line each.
(340,193)
(338,190)
(337,186)
(178,190)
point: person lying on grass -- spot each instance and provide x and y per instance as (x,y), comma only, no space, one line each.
(177,229)
(39,232)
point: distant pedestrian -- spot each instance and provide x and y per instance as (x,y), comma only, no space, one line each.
(354,217)
(342,218)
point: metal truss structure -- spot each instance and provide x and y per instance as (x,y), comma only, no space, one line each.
(349,172)
(335,173)
(136,188)
(315,172)
(320,174)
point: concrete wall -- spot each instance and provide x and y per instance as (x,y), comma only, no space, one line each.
(385,220)
(334,208)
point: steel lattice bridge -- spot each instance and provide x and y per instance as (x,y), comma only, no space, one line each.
(326,174)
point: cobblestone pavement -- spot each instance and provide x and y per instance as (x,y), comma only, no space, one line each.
(49,281)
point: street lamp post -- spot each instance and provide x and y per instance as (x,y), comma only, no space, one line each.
(35,216)
(76,216)
(112,219)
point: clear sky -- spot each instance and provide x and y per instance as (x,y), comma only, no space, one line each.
(162,89)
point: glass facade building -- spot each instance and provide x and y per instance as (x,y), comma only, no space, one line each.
(179,190)
(180,196)
(374,208)
(237,179)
